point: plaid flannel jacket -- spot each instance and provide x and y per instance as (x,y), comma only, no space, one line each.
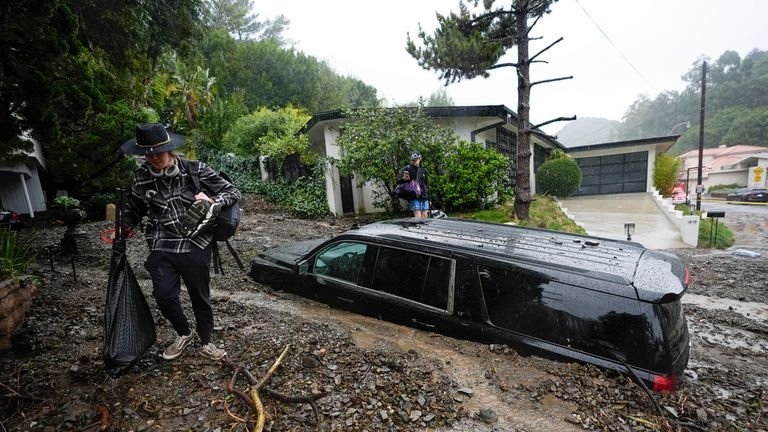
(165,200)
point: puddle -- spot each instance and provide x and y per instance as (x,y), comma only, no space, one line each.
(751,310)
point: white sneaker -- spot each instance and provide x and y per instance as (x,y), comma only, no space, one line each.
(175,349)
(212,352)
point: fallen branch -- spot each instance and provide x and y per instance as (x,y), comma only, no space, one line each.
(252,399)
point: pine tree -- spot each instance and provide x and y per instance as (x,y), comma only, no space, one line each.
(468,45)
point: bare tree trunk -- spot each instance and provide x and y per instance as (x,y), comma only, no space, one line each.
(523,183)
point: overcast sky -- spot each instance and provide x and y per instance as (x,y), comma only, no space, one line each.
(647,46)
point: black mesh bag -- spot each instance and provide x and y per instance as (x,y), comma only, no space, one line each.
(129,329)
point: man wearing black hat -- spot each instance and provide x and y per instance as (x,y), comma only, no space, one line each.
(162,189)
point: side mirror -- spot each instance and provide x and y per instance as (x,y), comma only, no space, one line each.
(303,267)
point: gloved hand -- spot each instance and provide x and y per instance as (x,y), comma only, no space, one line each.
(198,217)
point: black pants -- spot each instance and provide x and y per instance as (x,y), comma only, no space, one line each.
(167,270)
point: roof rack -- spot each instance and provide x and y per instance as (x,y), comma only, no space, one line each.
(578,252)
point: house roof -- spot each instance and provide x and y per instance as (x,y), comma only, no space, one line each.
(663,142)
(724,151)
(499,111)
(729,162)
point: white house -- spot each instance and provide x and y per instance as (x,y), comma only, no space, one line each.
(20,188)
(493,125)
(725,165)
(617,167)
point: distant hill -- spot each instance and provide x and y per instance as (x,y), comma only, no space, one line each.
(588,130)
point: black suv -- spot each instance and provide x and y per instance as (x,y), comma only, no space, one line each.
(749,195)
(610,303)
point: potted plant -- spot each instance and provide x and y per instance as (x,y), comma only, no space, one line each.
(67,210)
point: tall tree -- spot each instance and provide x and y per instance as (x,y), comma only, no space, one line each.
(376,143)
(737,97)
(440,97)
(37,40)
(73,77)
(468,45)
(235,17)
(268,74)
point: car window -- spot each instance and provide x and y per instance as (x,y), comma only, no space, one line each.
(412,275)
(341,260)
(515,300)
(526,302)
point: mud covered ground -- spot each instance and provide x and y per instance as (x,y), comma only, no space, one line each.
(372,375)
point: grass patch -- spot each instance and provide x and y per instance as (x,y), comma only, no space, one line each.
(543,213)
(499,214)
(708,238)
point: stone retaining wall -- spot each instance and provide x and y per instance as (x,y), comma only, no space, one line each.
(15,300)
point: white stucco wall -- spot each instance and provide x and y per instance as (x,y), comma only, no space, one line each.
(722,177)
(332,187)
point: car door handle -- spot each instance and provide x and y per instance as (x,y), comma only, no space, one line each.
(350,301)
(425,325)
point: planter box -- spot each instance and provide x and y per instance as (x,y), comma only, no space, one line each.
(15,300)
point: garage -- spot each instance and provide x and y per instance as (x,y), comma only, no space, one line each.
(616,173)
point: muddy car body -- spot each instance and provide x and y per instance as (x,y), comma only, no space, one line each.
(610,303)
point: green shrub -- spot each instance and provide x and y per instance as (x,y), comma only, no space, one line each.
(305,197)
(66,202)
(100,200)
(725,187)
(244,171)
(559,177)
(665,170)
(708,238)
(308,197)
(470,176)
(15,257)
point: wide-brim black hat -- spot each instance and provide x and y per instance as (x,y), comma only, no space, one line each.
(152,138)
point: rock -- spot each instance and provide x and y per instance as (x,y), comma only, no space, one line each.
(414,415)
(488,415)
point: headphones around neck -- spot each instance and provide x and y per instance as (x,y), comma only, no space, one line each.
(168,172)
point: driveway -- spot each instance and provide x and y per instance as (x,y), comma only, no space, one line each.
(605,216)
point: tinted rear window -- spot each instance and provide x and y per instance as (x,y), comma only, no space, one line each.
(415,276)
(527,302)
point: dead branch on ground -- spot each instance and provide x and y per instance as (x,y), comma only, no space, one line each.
(252,398)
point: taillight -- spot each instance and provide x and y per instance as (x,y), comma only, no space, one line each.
(664,384)
(14,216)
(687,278)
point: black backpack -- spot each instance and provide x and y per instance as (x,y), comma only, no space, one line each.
(228,219)
(226,223)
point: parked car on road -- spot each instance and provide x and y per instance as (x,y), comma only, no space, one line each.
(679,196)
(9,219)
(749,195)
(605,302)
